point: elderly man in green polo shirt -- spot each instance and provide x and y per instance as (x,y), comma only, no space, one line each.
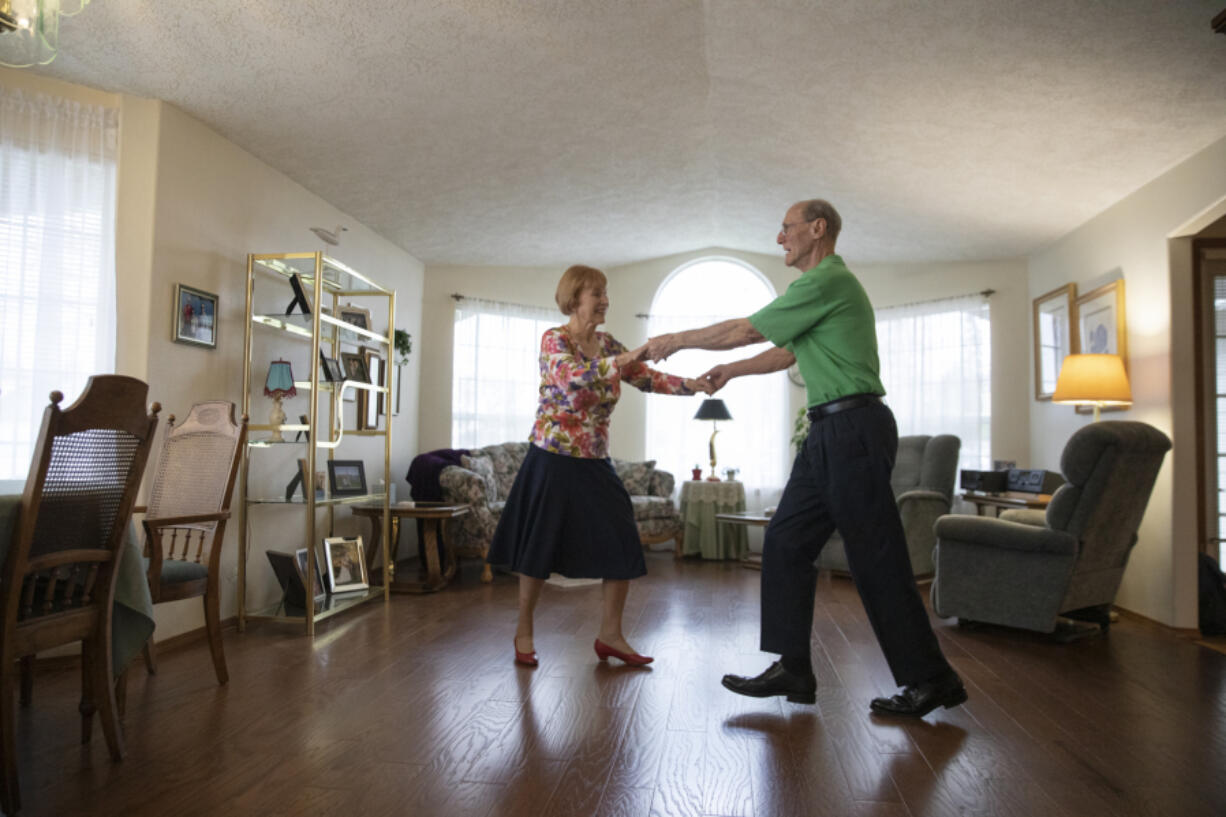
(840,479)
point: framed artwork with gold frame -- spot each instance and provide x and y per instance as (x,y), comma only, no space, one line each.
(1102,328)
(1055,337)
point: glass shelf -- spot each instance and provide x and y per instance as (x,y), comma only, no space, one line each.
(324,608)
(299,325)
(320,502)
(338,278)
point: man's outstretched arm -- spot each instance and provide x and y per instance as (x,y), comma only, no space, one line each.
(724,335)
(772,360)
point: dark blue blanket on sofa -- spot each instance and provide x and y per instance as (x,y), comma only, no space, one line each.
(425,469)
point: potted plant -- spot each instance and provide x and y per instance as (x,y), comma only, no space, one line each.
(800,430)
(404,347)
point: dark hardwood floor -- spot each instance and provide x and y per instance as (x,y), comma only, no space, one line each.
(417,709)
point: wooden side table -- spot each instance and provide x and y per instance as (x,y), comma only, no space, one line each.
(753,561)
(432,515)
(1005,500)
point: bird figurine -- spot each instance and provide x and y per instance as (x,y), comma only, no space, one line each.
(332,237)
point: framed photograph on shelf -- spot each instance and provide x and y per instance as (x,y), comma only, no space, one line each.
(1102,328)
(396,390)
(321,589)
(195,318)
(354,364)
(288,577)
(355,315)
(332,370)
(344,557)
(300,298)
(1055,315)
(370,404)
(347,477)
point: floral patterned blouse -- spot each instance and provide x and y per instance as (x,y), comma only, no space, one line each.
(578,393)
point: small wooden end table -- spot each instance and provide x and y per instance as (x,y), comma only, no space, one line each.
(1005,500)
(432,515)
(752,561)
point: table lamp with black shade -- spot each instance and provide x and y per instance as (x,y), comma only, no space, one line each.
(279,384)
(713,410)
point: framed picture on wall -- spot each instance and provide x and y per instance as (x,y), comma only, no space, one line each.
(1055,316)
(1100,321)
(195,317)
(1102,328)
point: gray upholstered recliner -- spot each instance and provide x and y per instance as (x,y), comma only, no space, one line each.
(1028,567)
(923,483)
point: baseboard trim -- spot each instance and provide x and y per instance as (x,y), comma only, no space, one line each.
(1182,632)
(172,644)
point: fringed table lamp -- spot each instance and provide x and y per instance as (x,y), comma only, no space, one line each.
(1093,380)
(279,384)
(713,410)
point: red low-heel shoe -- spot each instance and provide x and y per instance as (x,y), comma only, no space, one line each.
(603,651)
(528,659)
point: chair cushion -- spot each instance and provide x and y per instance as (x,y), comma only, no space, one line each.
(653,507)
(636,476)
(177,570)
(484,468)
(507,458)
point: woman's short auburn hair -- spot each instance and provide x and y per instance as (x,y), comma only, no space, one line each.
(573,282)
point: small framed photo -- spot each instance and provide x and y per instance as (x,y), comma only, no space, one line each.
(355,367)
(356,316)
(346,564)
(376,369)
(195,318)
(300,298)
(347,477)
(321,589)
(1055,315)
(333,373)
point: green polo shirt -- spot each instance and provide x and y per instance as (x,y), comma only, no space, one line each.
(825,319)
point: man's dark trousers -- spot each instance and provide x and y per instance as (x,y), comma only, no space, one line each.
(841,480)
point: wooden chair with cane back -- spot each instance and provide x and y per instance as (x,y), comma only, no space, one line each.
(185,522)
(58,576)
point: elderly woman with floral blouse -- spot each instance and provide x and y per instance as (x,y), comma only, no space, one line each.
(568,512)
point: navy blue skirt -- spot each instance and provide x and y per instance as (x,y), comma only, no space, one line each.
(568,515)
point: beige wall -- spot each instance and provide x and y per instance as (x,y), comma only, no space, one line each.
(214,204)
(190,206)
(633,287)
(1143,240)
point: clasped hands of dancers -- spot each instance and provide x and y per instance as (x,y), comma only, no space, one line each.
(569,513)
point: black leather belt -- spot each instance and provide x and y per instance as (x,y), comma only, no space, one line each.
(842,404)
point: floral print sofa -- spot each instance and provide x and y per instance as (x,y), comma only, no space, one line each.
(485,482)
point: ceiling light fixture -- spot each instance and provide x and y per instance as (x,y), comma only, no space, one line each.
(30,30)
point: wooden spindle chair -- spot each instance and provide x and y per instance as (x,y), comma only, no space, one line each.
(57,581)
(185,523)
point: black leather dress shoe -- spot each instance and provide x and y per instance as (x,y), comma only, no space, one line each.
(918,700)
(799,689)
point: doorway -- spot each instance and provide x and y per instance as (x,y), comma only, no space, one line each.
(1209,274)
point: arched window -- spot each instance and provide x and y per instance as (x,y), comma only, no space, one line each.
(755,440)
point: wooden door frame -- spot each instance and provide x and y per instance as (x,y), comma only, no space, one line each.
(1199,329)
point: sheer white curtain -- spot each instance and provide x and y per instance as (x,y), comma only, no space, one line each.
(496,370)
(755,440)
(57,259)
(936,366)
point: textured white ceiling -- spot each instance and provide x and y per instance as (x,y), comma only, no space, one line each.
(531,132)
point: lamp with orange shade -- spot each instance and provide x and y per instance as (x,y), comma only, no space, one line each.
(1093,380)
